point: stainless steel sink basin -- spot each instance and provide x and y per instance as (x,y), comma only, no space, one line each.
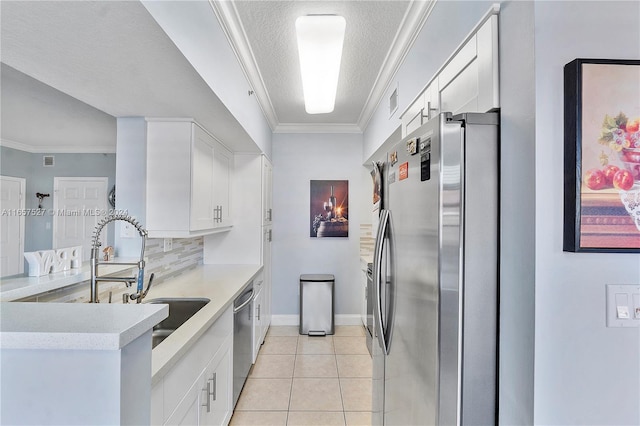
(180,310)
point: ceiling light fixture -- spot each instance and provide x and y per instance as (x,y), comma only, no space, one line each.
(320,39)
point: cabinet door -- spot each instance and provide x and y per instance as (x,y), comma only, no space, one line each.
(223,166)
(157,404)
(266,285)
(267,192)
(188,411)
(216,395)
(257,318)
(469,82)
(202,181)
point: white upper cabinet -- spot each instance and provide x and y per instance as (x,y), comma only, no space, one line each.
(188,178)
(267,192)
(468,82)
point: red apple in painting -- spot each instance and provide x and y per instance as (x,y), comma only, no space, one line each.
(633,126)
(623,180)
(609,172)
(595,179)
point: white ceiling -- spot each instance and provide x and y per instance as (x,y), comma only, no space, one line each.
(270,30)
(114,57)
(46,118)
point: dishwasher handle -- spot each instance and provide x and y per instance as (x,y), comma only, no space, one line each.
(245,303)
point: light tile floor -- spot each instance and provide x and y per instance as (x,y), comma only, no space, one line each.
(302,380)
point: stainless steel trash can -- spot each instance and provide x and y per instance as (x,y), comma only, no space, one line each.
(316,304)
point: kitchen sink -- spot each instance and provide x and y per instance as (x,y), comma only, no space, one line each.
(180,310)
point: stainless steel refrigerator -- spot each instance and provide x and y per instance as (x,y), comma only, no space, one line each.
(436,276)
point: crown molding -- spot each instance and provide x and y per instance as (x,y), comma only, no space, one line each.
(58,149)
(229,19)
(317,128)
(413,21)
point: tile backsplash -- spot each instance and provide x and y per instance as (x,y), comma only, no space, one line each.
(367,241)
(185,254)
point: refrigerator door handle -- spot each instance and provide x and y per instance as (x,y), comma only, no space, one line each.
(377,281)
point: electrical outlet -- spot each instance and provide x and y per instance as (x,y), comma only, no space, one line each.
(168,244)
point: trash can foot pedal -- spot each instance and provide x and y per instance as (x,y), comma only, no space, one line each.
(317,333)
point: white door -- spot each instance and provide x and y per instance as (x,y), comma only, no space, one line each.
(12,225)
(76,202)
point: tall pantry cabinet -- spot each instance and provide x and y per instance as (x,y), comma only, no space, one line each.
(249,241)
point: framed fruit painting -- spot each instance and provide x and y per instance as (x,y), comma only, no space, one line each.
(602,156)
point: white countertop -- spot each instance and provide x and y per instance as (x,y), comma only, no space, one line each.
(365,260)
(20,287)
(75,326)
(111,326)
(220,283)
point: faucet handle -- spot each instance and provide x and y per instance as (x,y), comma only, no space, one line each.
(141,295)
(144,294)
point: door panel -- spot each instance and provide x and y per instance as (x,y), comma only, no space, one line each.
(202,185)
(11,226)
(79,203)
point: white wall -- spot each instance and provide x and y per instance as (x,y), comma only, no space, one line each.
(297,159)
(517,213)
(585,373)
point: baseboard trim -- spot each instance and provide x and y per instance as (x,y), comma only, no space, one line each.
(343,319)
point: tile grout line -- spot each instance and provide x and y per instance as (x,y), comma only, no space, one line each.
(293,374)
(335,354)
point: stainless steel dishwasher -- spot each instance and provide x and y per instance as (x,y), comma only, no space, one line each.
(242,340)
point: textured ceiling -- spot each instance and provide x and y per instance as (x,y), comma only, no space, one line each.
(270,30)
(113,56)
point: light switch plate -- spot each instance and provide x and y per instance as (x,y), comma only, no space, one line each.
(623,305)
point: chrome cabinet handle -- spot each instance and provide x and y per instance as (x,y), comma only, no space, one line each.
(207,392)
(217,214)
(214,388)
(259,312)
(210,392)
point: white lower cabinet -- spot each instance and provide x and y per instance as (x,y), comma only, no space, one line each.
(261,312)
(208,401)
(258,302)
(216,390)
(198,389)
